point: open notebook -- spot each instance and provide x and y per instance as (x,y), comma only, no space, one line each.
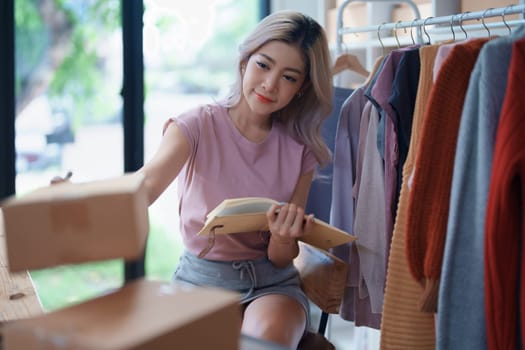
(248,214)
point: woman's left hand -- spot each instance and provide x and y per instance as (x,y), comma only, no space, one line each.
(288,222)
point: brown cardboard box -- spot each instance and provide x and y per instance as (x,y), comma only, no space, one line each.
(77,222)
(141,315)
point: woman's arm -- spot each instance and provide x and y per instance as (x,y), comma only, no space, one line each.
(289,224)
(166,164)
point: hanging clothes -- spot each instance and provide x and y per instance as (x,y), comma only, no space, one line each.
(402,99)
(446,260)
(429,194)
(342,211)
(461,291)
(505,228)
(403,325)
(379,93)
(369,223)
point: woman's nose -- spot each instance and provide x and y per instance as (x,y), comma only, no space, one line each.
(270,82)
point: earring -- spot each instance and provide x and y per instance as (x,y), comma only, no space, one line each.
(299,94)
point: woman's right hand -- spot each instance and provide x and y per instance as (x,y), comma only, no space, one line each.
(59,179)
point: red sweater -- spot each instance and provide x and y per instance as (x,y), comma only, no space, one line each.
(429,197)
(505,225)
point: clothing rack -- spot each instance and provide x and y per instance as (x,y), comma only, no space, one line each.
(421,23)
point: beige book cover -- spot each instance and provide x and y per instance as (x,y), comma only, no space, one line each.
(248,214)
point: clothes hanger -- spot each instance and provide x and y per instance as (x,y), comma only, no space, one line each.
(379,37)
(425,28)
(461,24)
(411,34)
(452,28)
(350,62)
(503,18)
(395,34)
(483,21)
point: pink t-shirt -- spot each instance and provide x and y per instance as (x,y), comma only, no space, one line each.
(224,164)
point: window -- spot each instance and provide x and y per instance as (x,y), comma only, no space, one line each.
(69,105)
(190,52)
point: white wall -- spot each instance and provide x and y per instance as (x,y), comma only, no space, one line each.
(313,8)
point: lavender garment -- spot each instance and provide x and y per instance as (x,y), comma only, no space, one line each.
(353,307)
(224,164)
(345,153)
(369,224)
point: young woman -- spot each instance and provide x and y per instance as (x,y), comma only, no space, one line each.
(262,140)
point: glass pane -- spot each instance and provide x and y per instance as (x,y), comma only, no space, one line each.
(68,82)
(68,116)
(190,51)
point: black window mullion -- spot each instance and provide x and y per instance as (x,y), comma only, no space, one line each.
(7,99)
(133,102)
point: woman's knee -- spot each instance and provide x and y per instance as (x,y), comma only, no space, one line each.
(277,318)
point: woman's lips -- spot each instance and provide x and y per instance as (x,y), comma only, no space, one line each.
(262,98)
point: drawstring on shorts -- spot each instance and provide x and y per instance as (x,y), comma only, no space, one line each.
(249,268)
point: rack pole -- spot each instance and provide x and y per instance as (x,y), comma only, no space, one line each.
(461,17)
(340,12)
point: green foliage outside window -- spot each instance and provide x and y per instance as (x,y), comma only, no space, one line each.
(68,49)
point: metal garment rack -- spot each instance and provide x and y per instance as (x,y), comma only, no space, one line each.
(421,23)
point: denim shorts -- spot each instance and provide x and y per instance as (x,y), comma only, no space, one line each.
(250,278)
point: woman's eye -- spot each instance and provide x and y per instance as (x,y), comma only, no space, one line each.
(262,65)
(289,78)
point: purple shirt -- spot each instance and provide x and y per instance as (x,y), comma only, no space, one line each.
(224,164)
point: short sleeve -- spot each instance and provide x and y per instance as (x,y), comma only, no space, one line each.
(309,161)
(190,123)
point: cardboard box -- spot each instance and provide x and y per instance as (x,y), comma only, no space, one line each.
(77,222)
(141,315)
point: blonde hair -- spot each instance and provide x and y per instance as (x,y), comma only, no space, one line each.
(304,115)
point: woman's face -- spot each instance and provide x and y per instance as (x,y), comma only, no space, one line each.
(272,76)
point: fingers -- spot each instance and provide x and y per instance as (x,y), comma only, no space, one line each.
(295,220)
(58,179)
(309,223)
(286,220)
